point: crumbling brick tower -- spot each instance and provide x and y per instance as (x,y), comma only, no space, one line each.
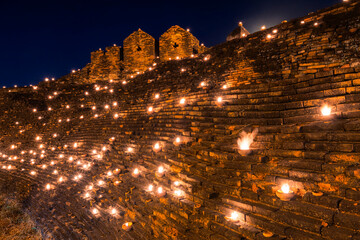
(177,42)
(139,51)
(105,65)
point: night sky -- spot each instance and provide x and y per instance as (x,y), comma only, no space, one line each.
(50,38)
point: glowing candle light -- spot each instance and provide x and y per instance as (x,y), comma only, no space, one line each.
(106,106)
(38,138)
(182,101)
(178,193)
(61,179)
(285,193)
(178,140)
(101,182)
(115,104)
(157,96)
(269,36)
(136,173)
(130,150)
(127,226)
(302,22)
(113,211)
(116,116)
(109,174)
(150,109)
(246,139)
(124,82)
(177,183)
(157,147)
(160,192)
(93,108)
(202,84)
(224,86)
(234,216)
(326,110)
(150,188)
(48,186)
(95,211)
(33,173)
(219,99)
(263,27)
(160,172)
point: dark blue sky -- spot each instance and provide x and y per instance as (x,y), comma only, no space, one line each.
(49,38)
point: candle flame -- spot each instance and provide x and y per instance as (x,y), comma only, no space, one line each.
(285,188)
(246,139)
(325,110)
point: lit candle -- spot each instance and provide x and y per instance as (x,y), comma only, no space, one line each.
(235,217)
(157,147)
(285,193)
(182,101)
(160,192)
(95,211)
(178,193)
(136,173)
(326,110)
(160,172)
(150,188)
(127,226)
(150,109)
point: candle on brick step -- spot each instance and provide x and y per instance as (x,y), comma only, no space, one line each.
(136,173)
(48,186)
(150,109)
(113,211)
(177,140)
(160,192)
(130,150)
(285,193)
(263,27)
(326,110)
(234,216)
(160,171)
(95,211)
(182,101)
(246,139)
(178,193)
(157,147)
(150,188)
(127,226)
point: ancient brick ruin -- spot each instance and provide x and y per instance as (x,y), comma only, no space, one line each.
(140,53)
(156,156)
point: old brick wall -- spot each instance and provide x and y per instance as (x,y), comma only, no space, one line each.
(275,82)
(139,51)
